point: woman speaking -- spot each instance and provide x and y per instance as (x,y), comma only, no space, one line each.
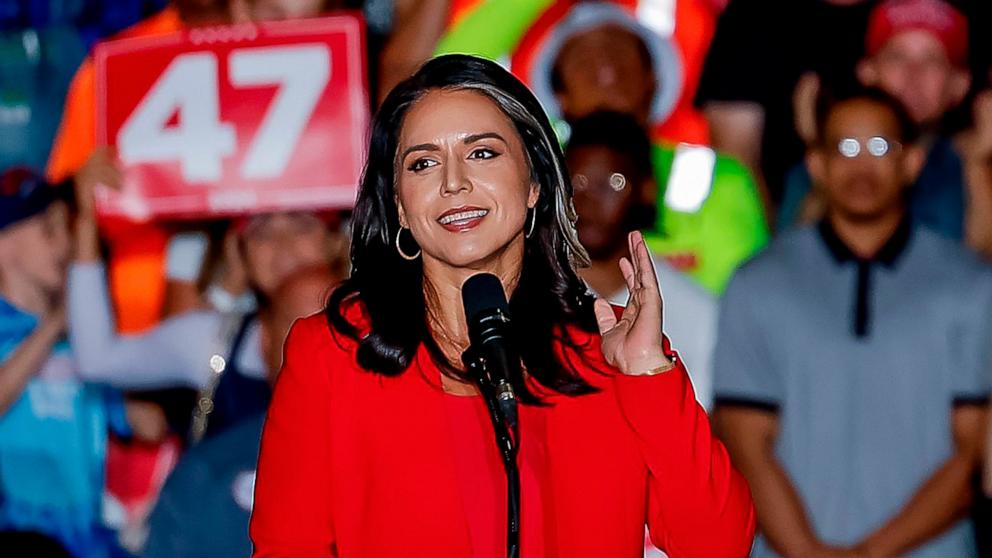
(378,443)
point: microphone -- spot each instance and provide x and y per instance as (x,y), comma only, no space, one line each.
(488,316)
(490,356)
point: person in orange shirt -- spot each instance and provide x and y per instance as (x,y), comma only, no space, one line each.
(138,250)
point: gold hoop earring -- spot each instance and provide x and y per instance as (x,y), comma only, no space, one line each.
(530,229)
(400,250)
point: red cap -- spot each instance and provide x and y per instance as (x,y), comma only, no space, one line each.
(938,18)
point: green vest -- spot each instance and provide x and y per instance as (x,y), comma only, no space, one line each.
(710,216)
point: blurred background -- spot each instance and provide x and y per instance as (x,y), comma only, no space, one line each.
(175,190)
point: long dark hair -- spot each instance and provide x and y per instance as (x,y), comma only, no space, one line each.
(549,294)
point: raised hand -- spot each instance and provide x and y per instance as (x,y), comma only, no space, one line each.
(633,343)
(102,169)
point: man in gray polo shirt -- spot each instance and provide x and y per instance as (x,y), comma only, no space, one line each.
(852,365)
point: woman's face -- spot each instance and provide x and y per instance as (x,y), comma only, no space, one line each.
(463,179)
(279,244)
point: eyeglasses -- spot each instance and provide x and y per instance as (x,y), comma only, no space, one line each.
(617,182)
(876,146)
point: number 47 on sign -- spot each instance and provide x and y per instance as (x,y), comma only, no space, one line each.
(239,119)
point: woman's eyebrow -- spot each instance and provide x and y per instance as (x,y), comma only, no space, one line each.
(485,135)
(420,147)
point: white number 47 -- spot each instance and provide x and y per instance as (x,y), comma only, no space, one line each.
(200,140)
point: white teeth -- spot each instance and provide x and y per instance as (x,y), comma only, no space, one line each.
(462,216)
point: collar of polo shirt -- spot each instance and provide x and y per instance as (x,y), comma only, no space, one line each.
(887,255)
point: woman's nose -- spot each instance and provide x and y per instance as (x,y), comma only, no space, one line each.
(456,178)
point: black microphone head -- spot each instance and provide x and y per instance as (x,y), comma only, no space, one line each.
(481,294)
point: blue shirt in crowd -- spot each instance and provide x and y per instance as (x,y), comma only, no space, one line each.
(53,442)
(204,509)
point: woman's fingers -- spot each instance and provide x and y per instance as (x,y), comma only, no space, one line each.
(646,275)
(605,318)
(629,275)
(636,264)
(646,302)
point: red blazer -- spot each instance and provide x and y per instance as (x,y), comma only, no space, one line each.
(355,464)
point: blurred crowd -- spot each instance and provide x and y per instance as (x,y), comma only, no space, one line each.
(813,177)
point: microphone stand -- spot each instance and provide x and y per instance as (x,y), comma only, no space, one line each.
(505,428)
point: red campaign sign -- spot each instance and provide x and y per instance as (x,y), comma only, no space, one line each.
(232,120)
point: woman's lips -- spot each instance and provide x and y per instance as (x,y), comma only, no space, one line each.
(462,218)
